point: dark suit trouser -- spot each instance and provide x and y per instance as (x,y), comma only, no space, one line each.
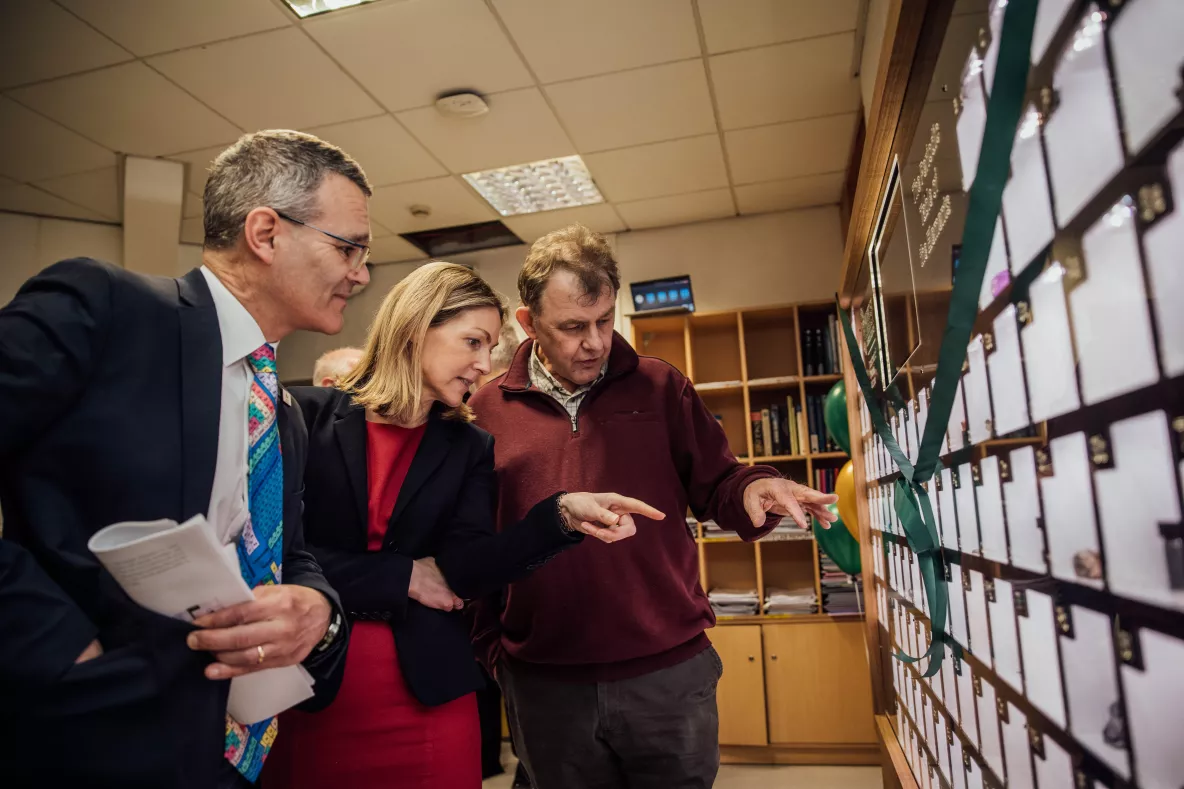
(657,731)
(230,778)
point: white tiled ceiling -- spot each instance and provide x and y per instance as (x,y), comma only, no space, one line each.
(407,52)
(802,79)
(601,217)
(676,209)
(519,127)
(684,110)
(149,27)
(274,80)
(742,24)
(390,155)
(635,107)
(771,153)
(660,169)
(41,40)
(568,39)
(128,108)
(802,192)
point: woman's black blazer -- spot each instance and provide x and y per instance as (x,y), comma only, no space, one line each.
(445,509)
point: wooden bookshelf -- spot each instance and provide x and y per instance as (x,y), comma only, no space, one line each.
(777,700)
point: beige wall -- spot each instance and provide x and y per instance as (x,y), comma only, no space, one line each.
(32,243)
(739,262)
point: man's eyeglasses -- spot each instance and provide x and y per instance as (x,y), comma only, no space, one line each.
(355,254)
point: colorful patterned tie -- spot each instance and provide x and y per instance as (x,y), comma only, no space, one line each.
(261,546)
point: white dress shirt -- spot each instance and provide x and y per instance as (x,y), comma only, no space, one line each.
(241,336)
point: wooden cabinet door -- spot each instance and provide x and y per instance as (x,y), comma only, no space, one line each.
(741,694)
(818,683)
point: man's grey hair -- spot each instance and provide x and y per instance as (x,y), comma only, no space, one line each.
(507,344)
(335,364)
(277,169)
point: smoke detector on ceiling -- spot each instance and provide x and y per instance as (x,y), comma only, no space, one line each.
(462,105)
(420,211)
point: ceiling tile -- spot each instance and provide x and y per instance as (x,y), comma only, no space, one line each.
(635,107)
(729,25)
(276,80)
(451,203)
(804,79)
(408,53)
(664,168)
(678,209)
(199,164)
(6,182)
(149,27)
(193,231)
(518,128)
(129,108)
(378,230)
(568,39)
(792,193)
(39,40)
(27,199)
(393,249)
(790,150)
(33,147)
(387,153)
(97,191)
(530,227)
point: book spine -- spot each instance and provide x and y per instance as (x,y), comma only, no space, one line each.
(767,431)
(813,422)
(803,433)
(775,425)
(790,426)
(808,350)
(758,446)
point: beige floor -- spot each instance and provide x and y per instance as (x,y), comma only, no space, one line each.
(746,777)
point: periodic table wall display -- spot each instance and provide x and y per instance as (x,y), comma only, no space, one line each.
(1024,492)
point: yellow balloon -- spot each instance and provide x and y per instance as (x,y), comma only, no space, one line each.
(848,508)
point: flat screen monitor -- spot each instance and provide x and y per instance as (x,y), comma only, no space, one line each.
(671,294)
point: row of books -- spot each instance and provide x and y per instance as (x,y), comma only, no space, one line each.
(821,349)
(825,479)
(787,430)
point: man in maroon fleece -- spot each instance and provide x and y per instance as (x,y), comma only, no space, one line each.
(608,675)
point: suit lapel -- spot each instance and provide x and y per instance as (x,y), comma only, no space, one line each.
(201,391)
(433,448)
(350,429)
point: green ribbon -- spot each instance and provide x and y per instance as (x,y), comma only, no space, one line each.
(912,504)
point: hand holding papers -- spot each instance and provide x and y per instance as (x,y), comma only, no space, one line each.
(180,571)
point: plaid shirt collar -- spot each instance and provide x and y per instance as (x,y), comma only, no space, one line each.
(542,379)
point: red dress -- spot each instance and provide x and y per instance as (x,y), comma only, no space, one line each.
(376,735)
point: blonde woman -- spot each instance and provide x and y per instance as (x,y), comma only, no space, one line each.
(399,511)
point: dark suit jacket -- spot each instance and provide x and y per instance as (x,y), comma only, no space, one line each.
(445,509)
(110,392)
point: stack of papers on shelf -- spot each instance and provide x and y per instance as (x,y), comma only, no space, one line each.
(733,602)
(839,591)
(712,529)
(790,601)
(788,529)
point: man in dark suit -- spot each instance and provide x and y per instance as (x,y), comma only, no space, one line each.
(125,397)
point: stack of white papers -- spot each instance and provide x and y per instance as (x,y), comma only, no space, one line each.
(733,602)
(181,571)
(790,601)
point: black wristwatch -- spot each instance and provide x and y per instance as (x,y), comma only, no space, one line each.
(330,634)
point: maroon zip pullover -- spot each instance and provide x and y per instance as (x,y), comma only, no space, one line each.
(602,612)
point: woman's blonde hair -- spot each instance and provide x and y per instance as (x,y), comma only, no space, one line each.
(389,378)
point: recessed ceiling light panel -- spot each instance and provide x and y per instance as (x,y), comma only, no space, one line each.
(306,8)
(546,185)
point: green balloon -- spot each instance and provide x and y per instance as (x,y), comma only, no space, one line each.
(838,544)
(834,412)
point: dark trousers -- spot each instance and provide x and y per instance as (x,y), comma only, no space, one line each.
(657,731)
(230,778)
(489,710)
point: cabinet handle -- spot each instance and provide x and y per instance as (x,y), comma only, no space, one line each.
(772,657)
(751,659)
